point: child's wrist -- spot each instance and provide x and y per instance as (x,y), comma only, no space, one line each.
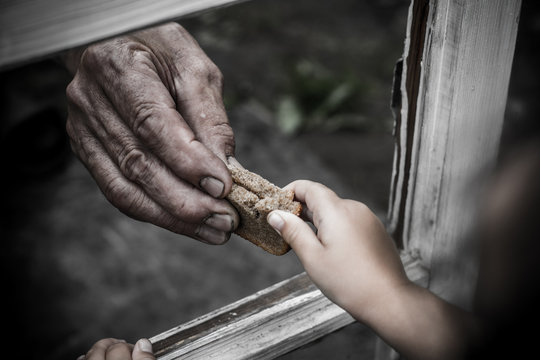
(383,303)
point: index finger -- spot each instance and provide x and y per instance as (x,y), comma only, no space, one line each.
(198,90)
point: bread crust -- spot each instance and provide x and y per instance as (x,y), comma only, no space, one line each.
(254,198)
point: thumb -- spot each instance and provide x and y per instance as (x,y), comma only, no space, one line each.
(295,232)
(143,350)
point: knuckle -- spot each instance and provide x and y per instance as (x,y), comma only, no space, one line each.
(357,210)
(291,232)
(75,93)
(359,207)
(114,56)
(102,53)
(215,76)
(331,194)
(136,53)
(145,121)
(136,166)
(133,206)
(119,194)
(194,207)
(172,26)
(199,68)
(221,136)
(72,91)
(205,70)
(222,129)
(116,192)
(93,56)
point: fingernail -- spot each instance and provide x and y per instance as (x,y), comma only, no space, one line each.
(211,235)
(212,186)
(276,221)
(144,345)
(223,222)
(82,357)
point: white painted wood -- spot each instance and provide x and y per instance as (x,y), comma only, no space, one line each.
(450,125)
(264,335)
(258,328)
(31,29)
(465,75)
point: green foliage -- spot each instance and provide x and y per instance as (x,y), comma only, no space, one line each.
(320,99)
(289,115)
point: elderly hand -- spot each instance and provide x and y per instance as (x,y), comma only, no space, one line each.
(146,117)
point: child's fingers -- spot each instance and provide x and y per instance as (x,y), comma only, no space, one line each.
(295,232)
(100,348)
(118,351)
(302,188)
(316,197)
(143,350)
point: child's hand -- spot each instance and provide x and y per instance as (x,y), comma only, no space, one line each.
(354,262)
(351,258)
(113,349)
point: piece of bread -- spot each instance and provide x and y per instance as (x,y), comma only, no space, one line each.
(254,198)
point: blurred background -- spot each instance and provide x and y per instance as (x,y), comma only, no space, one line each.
(307,90)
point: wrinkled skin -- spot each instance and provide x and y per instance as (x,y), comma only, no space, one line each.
(146,117)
